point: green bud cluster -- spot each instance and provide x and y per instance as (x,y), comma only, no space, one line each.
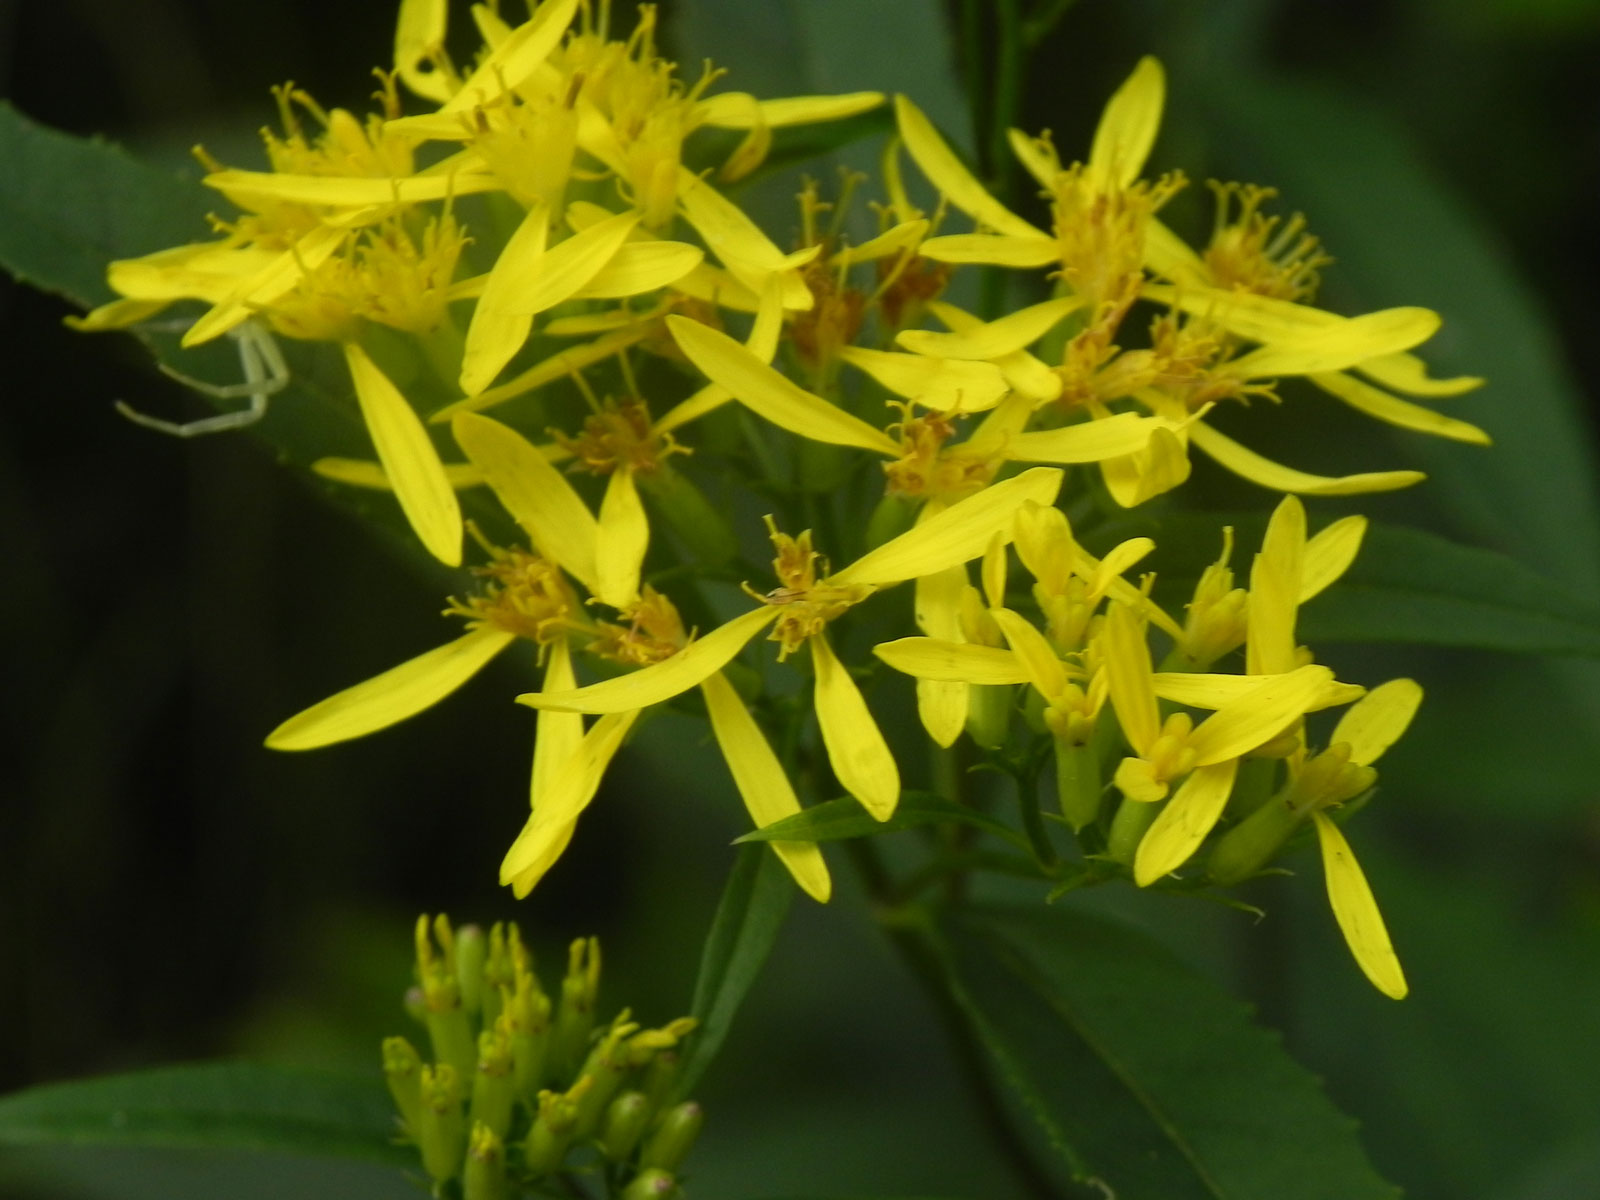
(521,1089)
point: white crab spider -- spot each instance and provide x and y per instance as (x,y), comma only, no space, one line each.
(265,374)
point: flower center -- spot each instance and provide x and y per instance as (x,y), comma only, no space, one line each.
(525,595)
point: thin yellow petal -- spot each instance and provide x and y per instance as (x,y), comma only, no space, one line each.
(556,735)
(733,110)
(959,534)
(623,538)
(1170,257)
(1161,466)
(895,240)
(267,285)
(947,173)
(1183,824)
(1046,671)
(1259,715)
(567,267)
(640,267)
(1339,346)
(514,61)
(942,384)
(1376,402)
(771,394)
(1275,586)
(1000,250)
(660,681)
(856,749)
(992,339)
(1279,478)
(398,693)
(558,366)
(497,332)
(762,783)
(1085,442)
(556,810)
(1356,910)
(205,271)
(260,189)
(1128,127)
(1039,160)
(1377,721)
(950,661)
(749,254)
(418,36)
(360,472)
(119,314)
(1329,555)
(1409,374)
(537,496)
(1129,678)
(936,606)
(409,458)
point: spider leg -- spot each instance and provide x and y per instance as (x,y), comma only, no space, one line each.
(265,374)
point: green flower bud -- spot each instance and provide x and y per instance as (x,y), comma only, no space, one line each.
(448,1027)
(472,950)
(623,1125)
(1128,827)
(486,1166)
(661,1078)
(1253,842)
(442,1126)
(1078,788)
(494,1087)
(605,1069)
(553,1126)
(575,1017)
(674,1137)
(651,1185)
(402,1071)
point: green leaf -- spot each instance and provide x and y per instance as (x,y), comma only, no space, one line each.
(1146,1080)
(754,904)
(69,206)
(834,820)
(1406,585)
(238,1106)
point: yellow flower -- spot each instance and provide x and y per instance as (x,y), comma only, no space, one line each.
(801,608)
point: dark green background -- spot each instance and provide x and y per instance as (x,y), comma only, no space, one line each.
(172,891)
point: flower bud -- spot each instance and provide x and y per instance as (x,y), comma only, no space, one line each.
(486,1166)
(448,1027)
(442,1126)
(402,1071)
(471,951)
(575,1017)
(1078,788)
(651,1185)
(1254,841)
(674,1137)
(623,1125)
(493,1086)
(553,1126)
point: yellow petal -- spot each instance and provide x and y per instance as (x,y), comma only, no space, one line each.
(1259,715)
(999,250)
(733,110)
(267,285)
(1376,402)
(572,786)
(358,472)
(1039,159)
(1409,374)
(408,457)
(261,189)
(1129,678)
(1357,911)
(514,61)
(1169,256)
(1275,585)
(897,239)
(947,173)
(771,394)
(1279,478)
(497,332)
(936,605)
(1085,442)
(1376,721)
(623,538)
(567,267)
(1128,127)
(762,783)
(537,496)
(205,271)
(856,749)
(959,534)
(735,239)
(398,693)
(943,660)
(1136,779)
(660,681)
(942,384)
(1329,555)
(1046,671)
(1339,346)
(640,267)
(992,339)
(558,366)
(1161,466)
(1183,824)
(419,34)
(556,735)
(119,314)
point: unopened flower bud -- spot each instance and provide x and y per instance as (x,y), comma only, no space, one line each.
(1252,843)
(575,1017)
(605,1068)
(471,950)
(623,1125)
(674,1137)
(402,1071)
(494,1086)
(553,1126)
(486,1166)
(653,1184)
(1078,788)
(448,1026)
(442,1126)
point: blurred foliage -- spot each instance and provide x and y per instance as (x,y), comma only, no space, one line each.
(176,892)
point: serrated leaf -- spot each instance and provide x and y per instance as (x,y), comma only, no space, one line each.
(751,912)
(835,820)
(1146,1080)
(241,1106)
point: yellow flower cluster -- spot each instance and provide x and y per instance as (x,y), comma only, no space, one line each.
(553,214)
